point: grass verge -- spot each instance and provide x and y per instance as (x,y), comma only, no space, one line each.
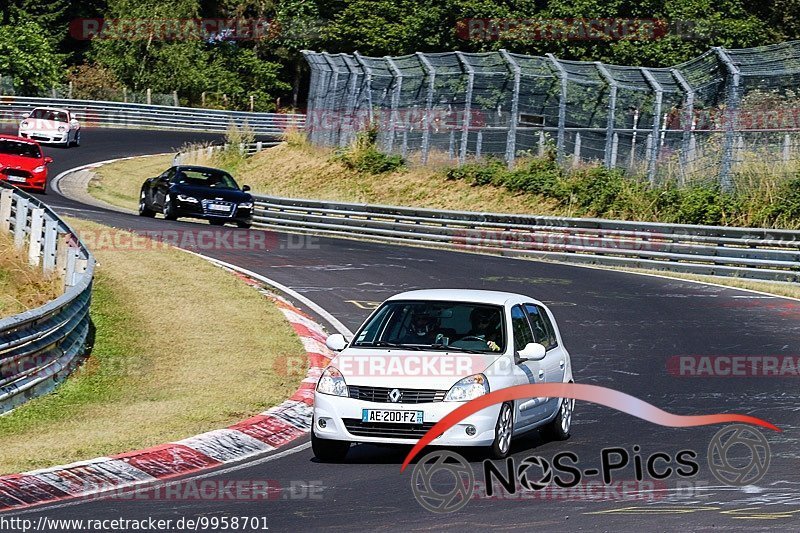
(22,287)
(296,169)
(119,183)
(170,360)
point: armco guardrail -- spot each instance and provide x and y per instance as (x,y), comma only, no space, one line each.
(40,347)
(93,113)
(749,253)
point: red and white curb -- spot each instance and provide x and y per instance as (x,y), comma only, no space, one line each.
(272,429)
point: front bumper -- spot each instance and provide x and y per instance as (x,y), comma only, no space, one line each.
(197,210)
(342,418)
(45,136)
(38,182)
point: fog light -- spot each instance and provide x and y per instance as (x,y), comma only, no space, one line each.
(321,423)
(471,431)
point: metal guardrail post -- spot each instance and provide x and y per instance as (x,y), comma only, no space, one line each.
(513,120)
(562,106)
(20,221)
(426,130)
(731,113)
(652,156)
(6,197)
(397,77)
(687,119)
(609,159)
(465,122)
(35,236)
(50,239)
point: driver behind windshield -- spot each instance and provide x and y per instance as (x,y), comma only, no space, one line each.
(485,326)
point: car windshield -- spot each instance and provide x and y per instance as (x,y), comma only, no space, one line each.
(23,149)
(49,114)
(216,179)
(435,326)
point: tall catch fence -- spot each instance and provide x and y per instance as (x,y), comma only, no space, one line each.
(725,113)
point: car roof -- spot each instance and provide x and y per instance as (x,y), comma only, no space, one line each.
(51,109)
(198,167)
(19,139)
(463,295)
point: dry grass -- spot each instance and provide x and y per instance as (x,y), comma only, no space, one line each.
(170,360)
(22,287)
(119,183)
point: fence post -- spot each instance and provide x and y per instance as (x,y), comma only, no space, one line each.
(576,154)
(541,143)
(562,106)
(465,121)
(612,112)
(397,76)
(331,96)
(731,108)
(50,238)
(149,96)
(478,144)
(426,132)
(349,101)
(614,149)
(125,96)
(35,237)
(20,220)
(787,148)
(313,94)
(175,98)
(6,197)
(653,137)
(688,116)
(368,79)
(69,91)
(511,140)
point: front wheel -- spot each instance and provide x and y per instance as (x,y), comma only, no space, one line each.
(244,225)
(329,451)
(216,222)
(77,140)
(145,211)
(169,209)
(559,428)
(502,432)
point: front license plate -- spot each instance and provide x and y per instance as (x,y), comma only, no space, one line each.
(394,417)
(219,207)
(16,179)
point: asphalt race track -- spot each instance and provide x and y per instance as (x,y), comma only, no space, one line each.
(621,330)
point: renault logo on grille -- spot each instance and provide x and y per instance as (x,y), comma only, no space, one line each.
(395,395)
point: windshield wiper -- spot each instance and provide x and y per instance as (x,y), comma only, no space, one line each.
(385,344)
(455,348)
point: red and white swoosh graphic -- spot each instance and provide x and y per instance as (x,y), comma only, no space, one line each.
(588,393)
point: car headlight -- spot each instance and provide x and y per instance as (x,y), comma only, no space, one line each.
(189,199)
(246,205)
(468,388)
(24,124)
(61,129)
(40,168)
(332,382)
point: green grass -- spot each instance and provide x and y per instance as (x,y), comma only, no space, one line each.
(166,364)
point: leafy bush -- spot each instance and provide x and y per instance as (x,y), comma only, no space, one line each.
(364,156)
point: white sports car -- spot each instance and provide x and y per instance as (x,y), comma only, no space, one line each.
(422,354)
(51,125)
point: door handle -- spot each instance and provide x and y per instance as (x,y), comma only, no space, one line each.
(561,363)
(541,374)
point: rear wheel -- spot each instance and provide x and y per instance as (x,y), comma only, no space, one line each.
(169,209)
(559,428)
(145,211)
(329,451)
(245,225)
(216,222)
(502,432)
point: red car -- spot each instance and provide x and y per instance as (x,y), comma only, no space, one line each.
(22,163)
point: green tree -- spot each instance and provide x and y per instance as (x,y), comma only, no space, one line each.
(28,57)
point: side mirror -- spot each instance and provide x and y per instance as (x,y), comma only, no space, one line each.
(245,188)
(48,160)
(73,123)
(533,351)
(25,115)
(336,342)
